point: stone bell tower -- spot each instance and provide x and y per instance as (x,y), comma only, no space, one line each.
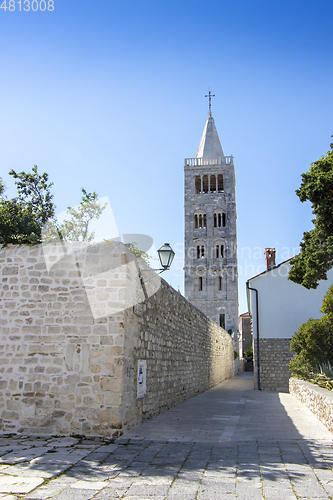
(210,230)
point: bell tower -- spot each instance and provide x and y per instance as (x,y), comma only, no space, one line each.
(210,230)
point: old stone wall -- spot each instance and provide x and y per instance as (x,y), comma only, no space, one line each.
(186,353)
(317,399)
(75,321)
(274,359)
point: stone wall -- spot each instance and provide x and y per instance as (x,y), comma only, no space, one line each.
(274,359)
(317,399)
(73,327)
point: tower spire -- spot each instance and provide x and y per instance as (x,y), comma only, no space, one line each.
(210,95)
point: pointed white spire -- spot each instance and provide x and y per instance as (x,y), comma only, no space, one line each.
(210,146)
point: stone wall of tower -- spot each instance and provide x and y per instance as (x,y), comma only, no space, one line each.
(218,296)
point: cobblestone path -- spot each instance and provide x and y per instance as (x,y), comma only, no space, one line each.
(228,443)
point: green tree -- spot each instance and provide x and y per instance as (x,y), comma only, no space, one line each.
(2,187)
(313,341)
(77,227)
(22,218)
(138,253)
(316,255)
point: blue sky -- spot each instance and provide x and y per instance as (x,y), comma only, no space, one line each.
(109,96)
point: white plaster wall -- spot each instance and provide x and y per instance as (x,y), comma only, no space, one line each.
(284,305)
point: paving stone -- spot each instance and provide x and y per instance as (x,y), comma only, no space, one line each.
(130,497)
(122,440)
(148,490)
(214,495)
(107,448)
(181,496)
(35,442)
(278,493)
(62,456)
(148,479)
(249,495)
(89,485)
(221,488)
(75,494)
(45,492)
(189,488)
(11,484)
(63,442)
(23,455)
(89,474)
(11,447)
(121,482)
(311,491)
(107,494)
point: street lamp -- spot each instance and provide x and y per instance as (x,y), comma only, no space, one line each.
(166,256)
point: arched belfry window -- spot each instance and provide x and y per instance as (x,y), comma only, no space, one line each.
(219,250)
(220,185)
(205,183)
(208,184)
(197,184)
(213,183)
(200,250)
(200,220)
(219,218)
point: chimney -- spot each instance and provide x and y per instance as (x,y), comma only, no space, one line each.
(270,257)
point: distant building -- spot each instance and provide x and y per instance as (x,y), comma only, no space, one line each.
(278,307)
(210,231)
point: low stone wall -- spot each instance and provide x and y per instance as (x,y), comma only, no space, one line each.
(275,356)
(317,399)
(74,325)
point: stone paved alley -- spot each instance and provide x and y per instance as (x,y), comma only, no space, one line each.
(230,442)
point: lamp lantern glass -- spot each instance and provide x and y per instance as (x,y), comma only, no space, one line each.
(166,255)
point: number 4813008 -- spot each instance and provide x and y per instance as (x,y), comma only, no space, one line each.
(27,5)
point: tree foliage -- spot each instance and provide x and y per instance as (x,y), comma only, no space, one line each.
(138,253)
(2,187)
(313,342)
(29,218)
(22,218)
(77,227)
(316,255)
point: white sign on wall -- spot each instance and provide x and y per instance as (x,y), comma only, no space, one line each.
(141,378)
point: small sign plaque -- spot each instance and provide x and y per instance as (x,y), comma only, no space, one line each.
(141,378)
(137,309)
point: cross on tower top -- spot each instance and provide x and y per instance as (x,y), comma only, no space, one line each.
(210,95)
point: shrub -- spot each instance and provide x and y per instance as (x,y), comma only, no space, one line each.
(326,369)
(323,381)
(313,342)
(248,353)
